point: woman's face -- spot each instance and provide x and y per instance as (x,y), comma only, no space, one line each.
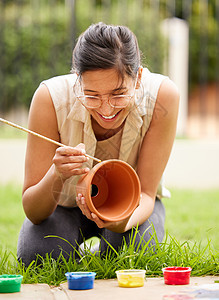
(107,83)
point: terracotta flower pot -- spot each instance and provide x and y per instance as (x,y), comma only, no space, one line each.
(111,190)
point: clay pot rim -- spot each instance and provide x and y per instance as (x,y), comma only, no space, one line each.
(97,166)
(95,169)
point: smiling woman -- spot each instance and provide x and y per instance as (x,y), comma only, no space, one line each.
(109,107)
(105,104)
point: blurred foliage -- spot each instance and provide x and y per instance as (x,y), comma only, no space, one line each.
(204,42)
(37,37)
(35,45)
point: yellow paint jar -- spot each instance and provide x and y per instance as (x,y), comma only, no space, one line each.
(131,278)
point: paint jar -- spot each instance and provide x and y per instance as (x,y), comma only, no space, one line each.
(111,190)
(10,283)
(177,275)
(80,280)
(131,278)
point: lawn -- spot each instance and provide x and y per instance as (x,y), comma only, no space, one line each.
(11,215)
(191,239)
(190,216)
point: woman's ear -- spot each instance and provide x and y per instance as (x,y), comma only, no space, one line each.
(140,70)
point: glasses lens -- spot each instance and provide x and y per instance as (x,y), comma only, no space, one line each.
(120,100)
(90,101)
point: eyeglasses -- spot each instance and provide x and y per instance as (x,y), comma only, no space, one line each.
(118,101)
(115,101)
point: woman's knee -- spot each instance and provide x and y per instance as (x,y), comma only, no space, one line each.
(61,232)
(40,240)
(28,243)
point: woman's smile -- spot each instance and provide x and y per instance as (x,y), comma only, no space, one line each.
(109,118)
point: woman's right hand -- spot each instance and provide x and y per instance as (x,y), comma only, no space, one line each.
(69,161)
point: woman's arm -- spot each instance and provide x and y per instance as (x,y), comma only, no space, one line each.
(153,157)
(156,149)
(46,166)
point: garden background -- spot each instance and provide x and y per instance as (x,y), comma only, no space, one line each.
(36,42)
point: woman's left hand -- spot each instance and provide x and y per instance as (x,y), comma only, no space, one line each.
(81,203)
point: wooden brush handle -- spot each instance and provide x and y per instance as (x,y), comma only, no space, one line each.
(41,136)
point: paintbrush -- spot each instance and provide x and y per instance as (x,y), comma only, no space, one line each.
(42,136)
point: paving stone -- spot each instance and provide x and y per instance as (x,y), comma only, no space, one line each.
(33,292)
(153,289)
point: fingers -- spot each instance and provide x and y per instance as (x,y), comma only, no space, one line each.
(81,146)
(80,200)
(100,223)
(69,161)
(70,150)
(71,158)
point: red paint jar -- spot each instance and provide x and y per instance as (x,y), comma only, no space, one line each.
(177,275)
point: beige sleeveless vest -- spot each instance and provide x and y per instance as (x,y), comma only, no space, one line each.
(74,125)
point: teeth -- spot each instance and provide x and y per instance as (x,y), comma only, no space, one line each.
(107,118)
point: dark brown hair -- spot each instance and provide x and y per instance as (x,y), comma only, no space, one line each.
(104,46)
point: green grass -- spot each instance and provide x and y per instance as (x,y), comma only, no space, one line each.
(192,215)
(191,239)
(11,216)
(203,262)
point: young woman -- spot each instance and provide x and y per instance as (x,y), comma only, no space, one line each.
(110,107)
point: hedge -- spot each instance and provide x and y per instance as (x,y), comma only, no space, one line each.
(36,40)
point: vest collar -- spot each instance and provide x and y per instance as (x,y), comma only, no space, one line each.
(131,129)
(131,132)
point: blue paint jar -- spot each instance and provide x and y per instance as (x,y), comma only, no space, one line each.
(80,280)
